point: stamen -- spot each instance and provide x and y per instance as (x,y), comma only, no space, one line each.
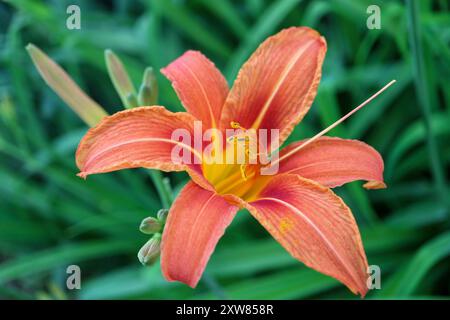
(243,174)
(321,133)
(233,185)
(236,125)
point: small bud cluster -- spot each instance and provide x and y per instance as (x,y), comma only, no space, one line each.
(150,252)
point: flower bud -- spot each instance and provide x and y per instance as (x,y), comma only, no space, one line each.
(120,79)
(132,101)
(145,96)
(162,215)
(148,92)
(150,225)
(57,79)
(148,254)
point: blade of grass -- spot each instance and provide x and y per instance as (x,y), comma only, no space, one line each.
(224,10)
(411,136)
(61,256)
(409,277)
(20,83)
(180,16)
(415,39)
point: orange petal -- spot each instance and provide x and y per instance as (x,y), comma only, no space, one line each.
(200,86)
(139,137)
(277,85)
(334,161)
(196,221)
(315,226)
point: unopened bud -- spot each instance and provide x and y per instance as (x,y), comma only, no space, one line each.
(148,92)
(150,225)
(145,96)
(148,254)
(120,79)
(162,215)
(132,101)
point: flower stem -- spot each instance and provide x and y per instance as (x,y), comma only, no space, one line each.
(157,179)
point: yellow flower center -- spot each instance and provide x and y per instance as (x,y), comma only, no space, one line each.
(235,168)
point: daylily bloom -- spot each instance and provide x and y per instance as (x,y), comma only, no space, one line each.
(274,89)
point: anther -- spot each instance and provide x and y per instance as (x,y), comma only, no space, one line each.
(235,125)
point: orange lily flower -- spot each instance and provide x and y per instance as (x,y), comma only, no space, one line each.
(274,89)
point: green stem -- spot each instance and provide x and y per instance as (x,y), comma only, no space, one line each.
(157,179)
(168,189)
(424,96)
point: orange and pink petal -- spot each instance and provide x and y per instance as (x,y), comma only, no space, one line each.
(196,221)
(200,86)
(315,226)
(277,85)
(140,137)
(333,162)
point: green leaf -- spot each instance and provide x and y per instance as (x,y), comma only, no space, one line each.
(59,257)
(408,277)
(297,283)
(266,24)
(413,135)
(180,16)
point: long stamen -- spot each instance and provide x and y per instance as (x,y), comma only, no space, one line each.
(242,169)
(321,133)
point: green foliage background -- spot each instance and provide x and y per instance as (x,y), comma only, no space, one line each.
(50,219)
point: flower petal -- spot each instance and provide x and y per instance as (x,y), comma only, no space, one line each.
(333,161)
(140,137)
(200,86)
(195,223)
(277,85)
(315,226)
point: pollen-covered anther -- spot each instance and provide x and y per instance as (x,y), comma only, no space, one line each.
(236,125)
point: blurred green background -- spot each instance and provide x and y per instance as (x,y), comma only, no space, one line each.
(50,219)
